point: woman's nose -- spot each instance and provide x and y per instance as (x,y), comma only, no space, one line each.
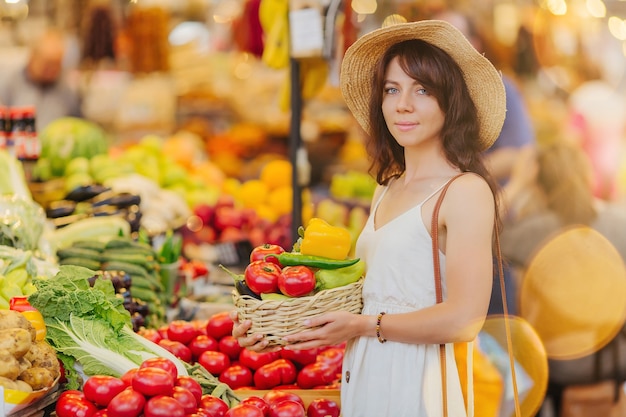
(404,102)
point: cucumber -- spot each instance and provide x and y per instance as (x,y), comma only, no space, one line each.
(90,244)
(145,253)
(147,296)
(118,242)
(139,260)
(73,252)
(133,269)
(143,282)
(84,262)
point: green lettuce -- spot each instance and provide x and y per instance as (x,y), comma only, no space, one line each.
(89,326)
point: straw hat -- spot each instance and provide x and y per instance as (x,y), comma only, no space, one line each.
(484,82)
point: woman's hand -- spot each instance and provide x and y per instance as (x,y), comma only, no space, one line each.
(325,330)
(255,342)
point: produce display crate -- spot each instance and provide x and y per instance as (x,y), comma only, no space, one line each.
(36,404)
(307,395)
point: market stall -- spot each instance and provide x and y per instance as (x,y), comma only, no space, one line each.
(205,146)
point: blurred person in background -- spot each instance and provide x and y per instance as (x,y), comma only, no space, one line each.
(552,189)
(517,133)
(42,81)
(549,190)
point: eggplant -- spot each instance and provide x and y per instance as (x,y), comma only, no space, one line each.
(141,307)
(60,208)
(119,200)
(243,289)
(86,192)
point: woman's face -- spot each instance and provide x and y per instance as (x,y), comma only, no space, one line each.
(411,113)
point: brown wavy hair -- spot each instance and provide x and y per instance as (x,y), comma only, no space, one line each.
(442,77)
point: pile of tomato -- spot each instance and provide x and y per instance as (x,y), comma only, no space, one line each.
(156,390)
(211,344)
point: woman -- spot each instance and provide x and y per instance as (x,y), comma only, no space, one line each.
(430,104)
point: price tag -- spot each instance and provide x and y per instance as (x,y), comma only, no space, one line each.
(306,32)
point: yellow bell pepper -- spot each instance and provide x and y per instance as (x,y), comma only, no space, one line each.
(322,239)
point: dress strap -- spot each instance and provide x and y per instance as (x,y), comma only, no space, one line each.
(438,189)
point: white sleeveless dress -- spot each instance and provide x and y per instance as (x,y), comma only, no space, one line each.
(398,379)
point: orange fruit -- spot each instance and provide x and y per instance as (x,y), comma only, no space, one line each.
(253,193)
(281,199)
(276,173)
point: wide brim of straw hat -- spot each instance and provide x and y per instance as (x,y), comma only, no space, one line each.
(483,81)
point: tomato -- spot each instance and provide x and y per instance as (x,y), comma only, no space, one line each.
(219,325)
(200,325)
(201,412)
(236,376)
(74,404)
(153,381)
(287,408)
(277,396)
(162,363)
(177,349)
(262,277)
(244,410)
(101,413)
(259,403)
(264,252)
(332,356)
(100,389)
(163,331)
(181,331)
(296,281)
(314,374)
(186,398)
(200,344)
(152,335)
(127,378)
(214,362)
(163,406)
(128,403)
(254,360)
(279,372)
(323,407)
(214,405)
(191,384)
(230,346)
(300,357)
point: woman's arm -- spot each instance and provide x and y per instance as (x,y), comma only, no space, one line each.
(467,216)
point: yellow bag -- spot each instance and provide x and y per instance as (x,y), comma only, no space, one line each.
(488,383)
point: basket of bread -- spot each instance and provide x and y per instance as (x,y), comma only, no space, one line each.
(280,289)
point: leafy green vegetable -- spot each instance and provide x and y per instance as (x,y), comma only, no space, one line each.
(22,222)
(90,326)
(69,293)
(92,333)
(12,178)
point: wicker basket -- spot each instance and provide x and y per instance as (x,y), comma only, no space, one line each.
(278,318)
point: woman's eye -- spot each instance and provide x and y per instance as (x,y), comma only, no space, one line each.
(390,90)
(422,91)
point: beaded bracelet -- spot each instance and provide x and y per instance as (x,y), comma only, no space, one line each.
(381,339)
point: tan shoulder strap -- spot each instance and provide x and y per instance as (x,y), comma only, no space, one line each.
(434,229)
